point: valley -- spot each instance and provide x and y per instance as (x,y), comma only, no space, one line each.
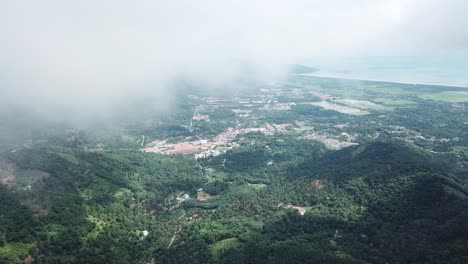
(316,169)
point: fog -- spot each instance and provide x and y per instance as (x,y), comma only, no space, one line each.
(84,60)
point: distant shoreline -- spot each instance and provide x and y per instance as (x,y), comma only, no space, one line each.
(317,74)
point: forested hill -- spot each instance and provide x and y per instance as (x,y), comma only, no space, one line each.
(382,203)
(375,203)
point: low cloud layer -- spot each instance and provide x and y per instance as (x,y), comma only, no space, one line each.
(87,58)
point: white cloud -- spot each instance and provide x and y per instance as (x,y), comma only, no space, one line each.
(85,56)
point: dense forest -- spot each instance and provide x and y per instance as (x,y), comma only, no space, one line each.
(376,203)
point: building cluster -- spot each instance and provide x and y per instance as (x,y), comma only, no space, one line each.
(330,143)
(199,117)
(242,112)
(277,106)
(301,210)
(210,148)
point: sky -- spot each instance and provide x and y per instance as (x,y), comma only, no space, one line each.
(86,59)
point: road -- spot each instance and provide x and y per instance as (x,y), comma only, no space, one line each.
(173,237)
(191,119)
(179,227)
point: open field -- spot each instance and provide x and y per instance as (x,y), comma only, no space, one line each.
(340,108)
(257,186)
(393,102)
(448,96)
(361,104)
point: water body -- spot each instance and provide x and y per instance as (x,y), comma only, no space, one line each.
(437,70)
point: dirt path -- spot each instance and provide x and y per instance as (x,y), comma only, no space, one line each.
(191,119)
(177,231)
(180,217)
(173,237)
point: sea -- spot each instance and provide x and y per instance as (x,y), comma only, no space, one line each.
(449,70)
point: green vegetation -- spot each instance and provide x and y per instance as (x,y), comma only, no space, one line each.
(221,247)
(15,252)
(257,186)
(449,96)
(393,102)
(399,196)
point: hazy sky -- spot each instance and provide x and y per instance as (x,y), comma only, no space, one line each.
(88,57)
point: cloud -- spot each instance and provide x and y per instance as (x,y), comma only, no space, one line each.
(88,58)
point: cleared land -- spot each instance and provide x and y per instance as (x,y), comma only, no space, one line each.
(448,96)
(340,108)
(361,104)
(393,102)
